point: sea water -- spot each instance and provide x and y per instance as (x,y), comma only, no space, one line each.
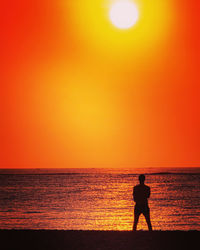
(97,199)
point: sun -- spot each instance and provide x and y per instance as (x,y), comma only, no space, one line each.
(123,14)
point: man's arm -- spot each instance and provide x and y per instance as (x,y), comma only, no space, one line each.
(149,192)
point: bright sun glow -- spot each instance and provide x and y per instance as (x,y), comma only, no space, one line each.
(124,14)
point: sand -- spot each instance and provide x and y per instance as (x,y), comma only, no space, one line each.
(93,240)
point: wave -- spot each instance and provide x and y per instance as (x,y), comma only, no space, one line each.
(172,173)
(32,212)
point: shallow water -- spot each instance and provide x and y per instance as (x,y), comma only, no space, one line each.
(97,199)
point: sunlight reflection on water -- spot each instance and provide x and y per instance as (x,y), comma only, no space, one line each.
(97,201)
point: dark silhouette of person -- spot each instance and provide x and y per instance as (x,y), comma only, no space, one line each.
(141,193)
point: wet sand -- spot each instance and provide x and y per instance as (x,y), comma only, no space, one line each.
(96,240)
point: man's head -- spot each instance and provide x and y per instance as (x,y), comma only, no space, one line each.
(142,178)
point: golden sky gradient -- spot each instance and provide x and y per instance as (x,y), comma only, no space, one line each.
(77,91)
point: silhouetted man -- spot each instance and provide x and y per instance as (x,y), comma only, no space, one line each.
(141,193)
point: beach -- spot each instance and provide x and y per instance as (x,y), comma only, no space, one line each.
(96,240)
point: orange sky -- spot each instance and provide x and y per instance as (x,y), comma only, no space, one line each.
(78,92)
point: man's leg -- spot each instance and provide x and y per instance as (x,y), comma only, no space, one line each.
(147,217)
(136,218)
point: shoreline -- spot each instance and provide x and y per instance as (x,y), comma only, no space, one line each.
(12,239)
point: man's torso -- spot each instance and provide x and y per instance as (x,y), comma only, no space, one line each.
(141,194)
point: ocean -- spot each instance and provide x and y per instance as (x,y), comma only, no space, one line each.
(97,199)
